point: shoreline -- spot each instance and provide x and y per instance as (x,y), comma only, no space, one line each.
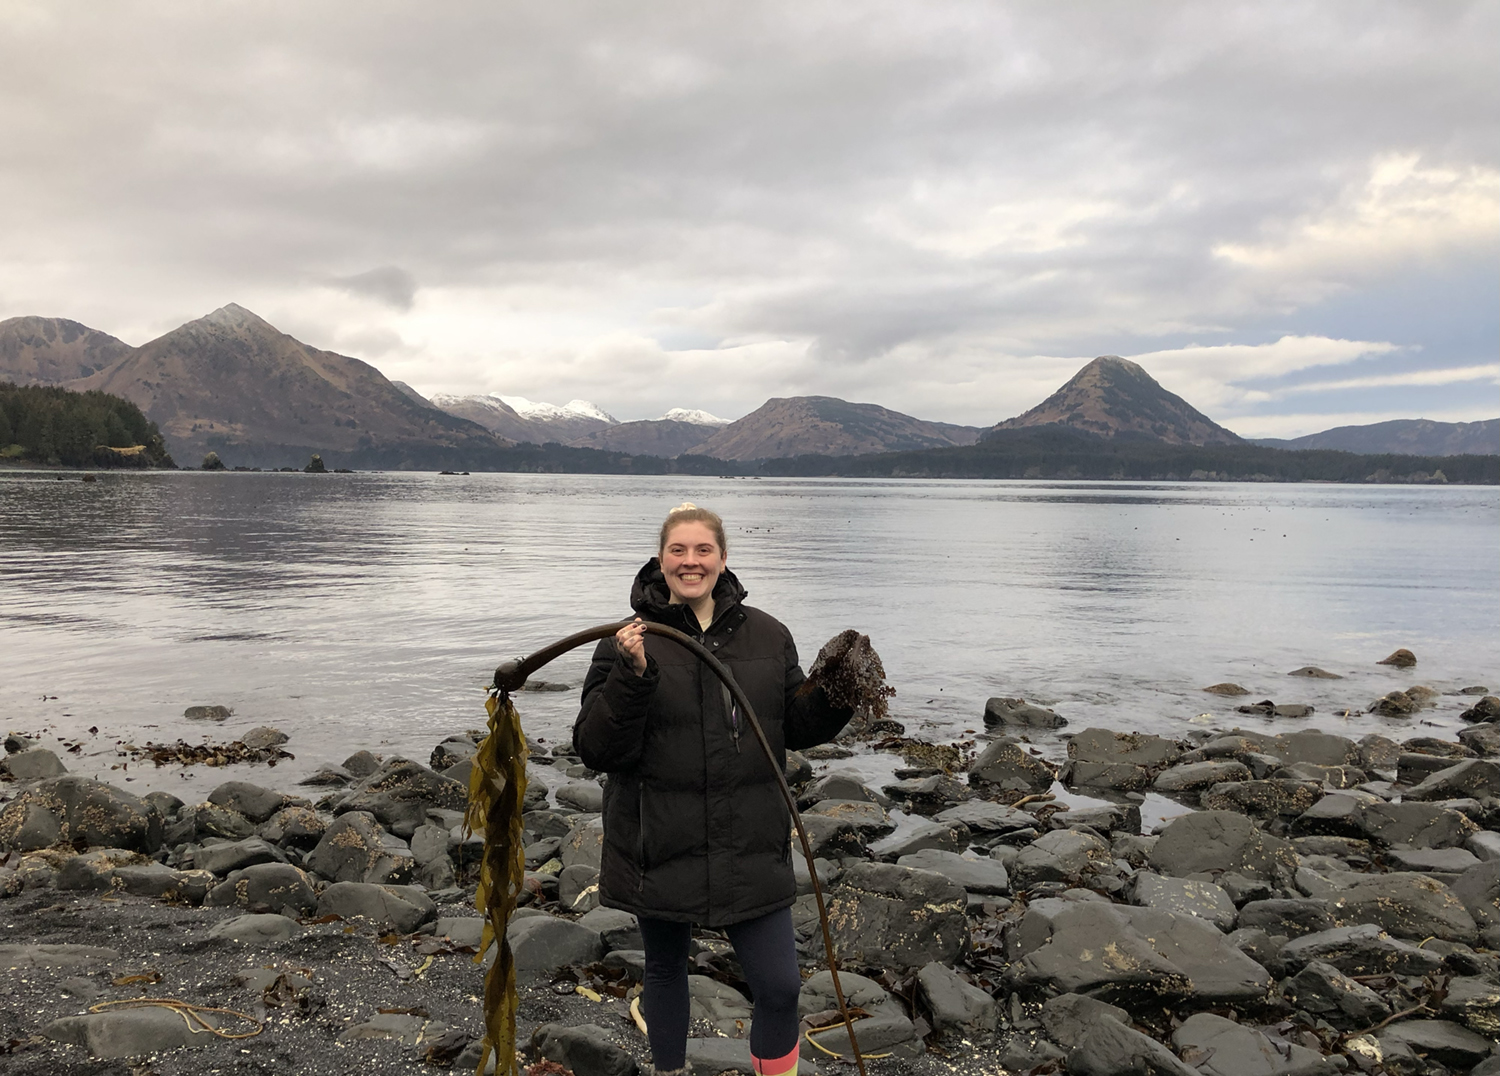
(1015,879)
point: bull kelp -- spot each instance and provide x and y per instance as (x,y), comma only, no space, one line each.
(497,787)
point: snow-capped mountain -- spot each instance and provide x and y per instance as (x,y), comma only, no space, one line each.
(520,419)
(696,417)
(547,412)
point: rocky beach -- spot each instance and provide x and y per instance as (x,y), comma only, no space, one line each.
(1318,904)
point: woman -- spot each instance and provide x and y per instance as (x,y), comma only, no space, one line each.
(695,828)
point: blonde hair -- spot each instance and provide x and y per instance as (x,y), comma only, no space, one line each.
(688,512)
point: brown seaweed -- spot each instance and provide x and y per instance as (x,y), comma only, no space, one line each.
(497,789)
(851,673)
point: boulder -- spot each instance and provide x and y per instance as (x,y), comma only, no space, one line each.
(404,907)
(584,1048)
(1327,993)
(584,843)
(984,876)
(77,810)
(956,1005)
(886,1033)
(32,764)
(1478,888)
(1437,861)
(728,1010)
(1187,896)
(1476,778)
(942,836)
(578,887)
(1486,709)
(92,870)
(836,786)
(982,816)
(1292,917)
(1483,739)
(161,882)
(1359,951)
(233,855)
(203,821)
(1063,855)
(541,944)
(1213,841)
(585,796)
(1199,775)
(1068,1017)
(129,1032)
(1111,819)
(1406,906)
(295,827)
(1120,776)
(257,929)
(1227,690)
(401,792)
(1018,713)
(1400,659)
(262,737)
(1319,748)
(1268,799)
(1312,672)
(266,887)
(1135,957)
(254,802)
(1475,1001)
(355,849)
(1215,1046)
(832,836)
(1328,776)
(1126,748)
(1443,1041)
(1335,815)
(1009,767)
(867,818)
(882,914)
(617,929)
(1416,825)
(929,795)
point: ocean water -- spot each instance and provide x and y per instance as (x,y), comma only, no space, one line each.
(369,610)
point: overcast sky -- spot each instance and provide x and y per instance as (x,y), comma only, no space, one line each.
(1288,213)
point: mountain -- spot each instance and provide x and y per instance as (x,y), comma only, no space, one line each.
(823,425)
(232,383)
(1410,436)
(696,417)
(49,351)
(520,419)
(1112,397)
(650,437)
(413,394)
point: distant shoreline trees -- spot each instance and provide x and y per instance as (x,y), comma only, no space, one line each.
(57,426)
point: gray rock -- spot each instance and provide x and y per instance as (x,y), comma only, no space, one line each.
(578,887)
(1315,673)
(720,1004)
(1068,1017)
(1268,799)
(429,842)
(404,907)
(831,836)
(828,873)
(1337,814)
(1475,1001)
(1414,767)
(1330,776)
(1440,861)
(33,764)
(542,944)
(581,796)
(584,843)
(584,1048)
(929,795)
(1018,713)
(1443,1041)
(233,855)
(406,1028)
(1211,841)
(1191,777)
(401,792)
(711,1057)
(868,819)
(1259,946)
(1476,777)
(91,871)
(890,1033)
(1126,748)
(617,929)
(204,820)
(982,816)
(1478,888)
(1327,993)
(1120,776)
(262,736)
(1011,768)
(266,887)
(1416,825)
(294,827)
(943,836)
(208,713)
(837,785)
(1135,957)
(361,764)
(1485,845)
(467,931)
(1319,748)
(1483,740)
(161,882)
(254,802)
(54,956)
(1185,895)
(1109,820)
(257,929)
(355,849)
(73,809)
(985,876)
(329,775)
(1358,951)
(955,1005)
(882,914)
(1219,1047)
(128,1032)
(1109,1048)
(1292,917)
(1061,856)
(817,994)
(1406,906)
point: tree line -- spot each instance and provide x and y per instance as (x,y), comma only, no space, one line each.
(51,425)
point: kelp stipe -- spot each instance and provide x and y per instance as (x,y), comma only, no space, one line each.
(497,788)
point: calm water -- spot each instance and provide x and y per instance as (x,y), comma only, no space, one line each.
(369,610)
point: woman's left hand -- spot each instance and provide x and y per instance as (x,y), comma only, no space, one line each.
(631,640)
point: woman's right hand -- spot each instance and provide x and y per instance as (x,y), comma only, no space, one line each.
(631,641)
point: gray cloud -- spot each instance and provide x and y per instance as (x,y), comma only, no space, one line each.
(937,206)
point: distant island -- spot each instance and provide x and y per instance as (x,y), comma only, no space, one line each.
(233,385)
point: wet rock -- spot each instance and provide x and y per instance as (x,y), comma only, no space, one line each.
(233,855)
(1478,888)
(1018,713)
(1415,825)
(1215,1046)
(254,802)
(355,849)
(984,876)
(1475,1002)
(1134,957)
(1378,753)
(984,817)
(1109,820)
(329,775)
(401,792)
(1358,951)
(1109,1048)
(1199,775)
(1442,1041)
(1009,767)
(882,914)
(402,906)
(1132,748)
(585,1049)
(1068,1017)
(128,1032)
(1486,709)
(584,843)
(1414,767)
(1327,993)
(832,837)
(890,1033)
(866,817)
(1228,690)
(54,956)
(160,882)
(1312,672)
(1267,708)
(542,944)
(204,820)
(1212,841)
(798,770)
(74,809)
(295,827)
(578,887)
(1437,861)
(257,929)
(1268,799)
(90,871)
(266,887)
(1400,659)
(828,873)
(32,764)
(1293,917)
(1474,777)
(617,929)
(955,1005)
(451,752)
(1394,704)
(1318,747)
(407,1028)
(262,736)
(1184,895)
(581,796)
(935,835)
(1331,776)
(1483,739)
(929,795)
(208,713)
(1119,776)
(1061,856)
(836,786)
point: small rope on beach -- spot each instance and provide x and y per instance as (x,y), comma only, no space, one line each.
(189,1013)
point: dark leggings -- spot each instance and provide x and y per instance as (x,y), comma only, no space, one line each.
(768,953)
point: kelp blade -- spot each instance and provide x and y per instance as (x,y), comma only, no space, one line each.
(497,789)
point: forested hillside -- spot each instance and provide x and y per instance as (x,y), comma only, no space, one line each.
(47,424)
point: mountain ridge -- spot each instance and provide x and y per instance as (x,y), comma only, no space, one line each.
(50,351)
(799,425)
(1415,436)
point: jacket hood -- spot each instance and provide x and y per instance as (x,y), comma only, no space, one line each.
(649,595)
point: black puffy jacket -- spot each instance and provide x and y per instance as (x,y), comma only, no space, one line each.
(695,829)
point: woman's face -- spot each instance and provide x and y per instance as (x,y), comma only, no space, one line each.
(691,562)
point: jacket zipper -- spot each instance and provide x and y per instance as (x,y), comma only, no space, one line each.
(640,850)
